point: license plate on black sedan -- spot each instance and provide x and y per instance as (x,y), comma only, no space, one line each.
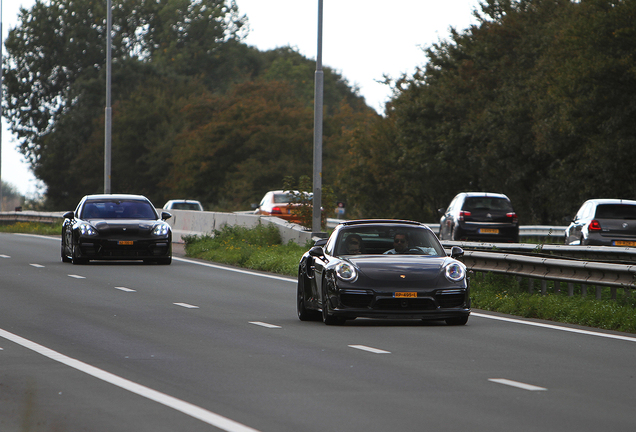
(405,295)
(125,242)
(625,243)
(488,231)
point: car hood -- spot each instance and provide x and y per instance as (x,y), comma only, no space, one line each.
(392,268)
(123,226)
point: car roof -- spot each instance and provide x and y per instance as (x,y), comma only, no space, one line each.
(183,201)
(598,201)
(116,196)
(485,194)
(382,222)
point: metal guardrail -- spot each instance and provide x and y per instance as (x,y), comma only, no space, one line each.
(616,254)
(554,269)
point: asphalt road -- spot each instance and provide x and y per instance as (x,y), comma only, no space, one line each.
(200,347)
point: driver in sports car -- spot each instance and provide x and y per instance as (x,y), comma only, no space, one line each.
(400,244)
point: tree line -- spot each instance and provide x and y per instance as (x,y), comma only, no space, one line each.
(536,100)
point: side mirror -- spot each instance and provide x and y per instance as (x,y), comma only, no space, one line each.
(456,252)
(316,251)
(165,215)
(69,215)
(441,211)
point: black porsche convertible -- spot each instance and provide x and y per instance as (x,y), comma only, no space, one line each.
(116,227)
(382,269)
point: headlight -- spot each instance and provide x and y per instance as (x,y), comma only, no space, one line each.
(455,272)
(346,272)
(161,229)
(87,230)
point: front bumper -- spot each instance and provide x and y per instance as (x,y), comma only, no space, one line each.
(433,305)
(118,249)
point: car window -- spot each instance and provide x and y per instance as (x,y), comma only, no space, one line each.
(487,203)
(379,239)
(281,198)
(615,211)
(186,206)
(118,209)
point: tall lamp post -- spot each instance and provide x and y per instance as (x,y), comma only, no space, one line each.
(109,112)
(1,97)
(318,104)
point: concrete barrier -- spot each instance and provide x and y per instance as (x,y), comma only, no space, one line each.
(189,222)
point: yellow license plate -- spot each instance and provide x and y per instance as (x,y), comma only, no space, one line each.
(488,231)
(125,242)
(405,295)
(625,243)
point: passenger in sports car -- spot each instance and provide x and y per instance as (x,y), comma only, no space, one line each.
(354,244)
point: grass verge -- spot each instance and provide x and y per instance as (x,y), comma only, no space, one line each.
(258,248)
(32,228)
(261,249)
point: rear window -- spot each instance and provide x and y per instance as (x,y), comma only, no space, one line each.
(186,206)
(615,211)
(487,203)
(282,198)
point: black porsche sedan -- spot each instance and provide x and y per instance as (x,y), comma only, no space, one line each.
(382,269)
(116,227)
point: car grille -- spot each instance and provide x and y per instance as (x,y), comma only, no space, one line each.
(356,300)
(450,300)
(405,304)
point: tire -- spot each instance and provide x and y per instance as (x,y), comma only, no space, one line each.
(328,318)
(304,314)
(457,321)
(65,259)
(76,259)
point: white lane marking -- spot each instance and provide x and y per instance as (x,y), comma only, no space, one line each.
(77,276)
(262,324)
(249,272)
(517,384)
(369,349)
(37,265)
(186,305)
(556,327)
(56,238)
(187,408)
(4,256)
(125,289)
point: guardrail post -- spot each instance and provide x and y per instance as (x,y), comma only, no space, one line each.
(599,292)
(530,285)
(583,290)
(544,287)
(613,292)
(570,289)
(557,286)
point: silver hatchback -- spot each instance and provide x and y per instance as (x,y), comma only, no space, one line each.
(604,222)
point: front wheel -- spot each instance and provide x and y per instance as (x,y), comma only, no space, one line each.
(304,314)
(327,317)
(75,258)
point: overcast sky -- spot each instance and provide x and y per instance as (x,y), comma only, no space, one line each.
(362,39)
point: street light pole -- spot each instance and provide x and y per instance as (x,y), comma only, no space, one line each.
(1,98)
(318,107)
(109,112)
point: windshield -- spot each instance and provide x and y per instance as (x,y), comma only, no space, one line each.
(383,239)
(118,209)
